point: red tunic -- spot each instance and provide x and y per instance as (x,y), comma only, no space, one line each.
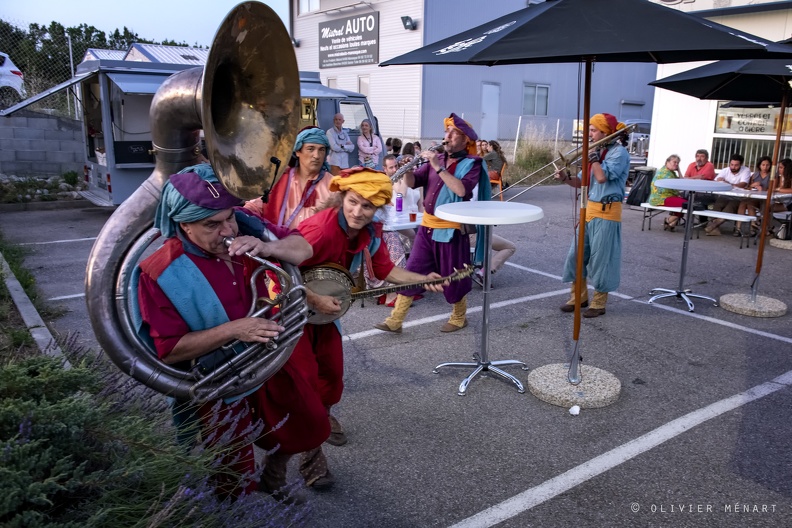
(319,352)
(287,393)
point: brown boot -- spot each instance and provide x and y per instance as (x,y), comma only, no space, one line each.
(313,468)
(569,306)
(394,322)
(597,305)
(337,436)
(273,480)
(458,319)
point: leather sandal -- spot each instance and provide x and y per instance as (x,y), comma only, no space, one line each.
(593,312)
(386,328)
(568,308)
(448,327)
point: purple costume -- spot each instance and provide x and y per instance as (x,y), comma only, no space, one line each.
(428,255)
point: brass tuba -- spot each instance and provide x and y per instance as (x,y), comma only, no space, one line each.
(246,99)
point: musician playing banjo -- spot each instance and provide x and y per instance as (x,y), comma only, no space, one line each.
(194,296)
(345,234)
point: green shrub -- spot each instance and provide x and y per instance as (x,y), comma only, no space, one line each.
(80,451)
(70,177)
(535,150)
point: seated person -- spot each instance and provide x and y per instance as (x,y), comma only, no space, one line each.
(702,168)
(737,175)
(759,181)
(194,296)
(667,197)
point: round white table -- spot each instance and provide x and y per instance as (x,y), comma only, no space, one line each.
(488,214)
(692,186)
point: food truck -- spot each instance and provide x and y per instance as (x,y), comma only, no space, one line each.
(115,99)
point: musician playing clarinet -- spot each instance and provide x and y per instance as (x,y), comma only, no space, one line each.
(609,167)
(442,246)
(344,234)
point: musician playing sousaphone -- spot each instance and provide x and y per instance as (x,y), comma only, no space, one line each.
(194,295)
(346,235)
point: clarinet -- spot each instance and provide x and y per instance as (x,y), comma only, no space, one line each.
(408,167)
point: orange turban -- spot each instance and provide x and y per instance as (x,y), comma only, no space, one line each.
(372,185)
(606,123)
(463,126)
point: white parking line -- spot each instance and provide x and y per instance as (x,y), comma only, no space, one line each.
(63,297)
(66,241)
(475,309)
(598,465)
(551,488)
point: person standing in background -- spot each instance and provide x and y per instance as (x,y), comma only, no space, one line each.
(370,146)
(340,145)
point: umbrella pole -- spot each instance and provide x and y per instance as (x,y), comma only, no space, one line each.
(768,205)
(573,375)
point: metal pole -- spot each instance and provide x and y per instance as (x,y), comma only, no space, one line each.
(517,139)
(71,65)
(558,127)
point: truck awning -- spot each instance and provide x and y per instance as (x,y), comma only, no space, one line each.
(135,83)
(46,93)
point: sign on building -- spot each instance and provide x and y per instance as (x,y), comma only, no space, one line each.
(349,41)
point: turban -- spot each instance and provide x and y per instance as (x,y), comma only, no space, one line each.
(463,126)
(190,195)
(606,123)
(313,135)
(372,185)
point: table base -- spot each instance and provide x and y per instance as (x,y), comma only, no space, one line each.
(662,293)
(485,367)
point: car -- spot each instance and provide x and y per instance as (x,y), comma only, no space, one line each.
(638,142)
(12,82)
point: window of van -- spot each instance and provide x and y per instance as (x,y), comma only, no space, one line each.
(354,114)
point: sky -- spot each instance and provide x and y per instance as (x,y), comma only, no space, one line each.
(190,21)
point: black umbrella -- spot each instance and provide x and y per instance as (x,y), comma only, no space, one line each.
(760,80)
(587,31)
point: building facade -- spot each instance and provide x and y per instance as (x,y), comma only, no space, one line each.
(682,124)
(345,40)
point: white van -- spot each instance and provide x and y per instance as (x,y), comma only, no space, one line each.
(116,97)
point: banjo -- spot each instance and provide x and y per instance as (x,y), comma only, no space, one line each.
(336,281)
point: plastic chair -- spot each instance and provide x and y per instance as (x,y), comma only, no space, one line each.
(499,180)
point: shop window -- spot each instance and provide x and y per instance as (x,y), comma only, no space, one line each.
(535,97)
(363,85)
(306,6)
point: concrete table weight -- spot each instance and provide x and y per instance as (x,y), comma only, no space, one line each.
(487,214)
(692,186)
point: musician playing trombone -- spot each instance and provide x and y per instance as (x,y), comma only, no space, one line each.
(345,234)
(194,295)
(609,167)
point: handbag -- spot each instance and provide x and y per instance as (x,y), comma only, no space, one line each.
(641,189)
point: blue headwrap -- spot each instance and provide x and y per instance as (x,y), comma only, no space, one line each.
(314,135)
(174,207)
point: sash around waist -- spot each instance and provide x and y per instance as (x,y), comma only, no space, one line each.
(438,223)
(612,212)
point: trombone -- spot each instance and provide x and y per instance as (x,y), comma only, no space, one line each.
(566,160)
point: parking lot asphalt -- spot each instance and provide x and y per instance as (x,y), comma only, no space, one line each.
(699,435)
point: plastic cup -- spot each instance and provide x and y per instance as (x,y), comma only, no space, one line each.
(413,216)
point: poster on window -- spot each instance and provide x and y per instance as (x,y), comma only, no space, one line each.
(762,121)
(350,41)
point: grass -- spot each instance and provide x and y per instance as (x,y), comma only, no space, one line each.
(535,151)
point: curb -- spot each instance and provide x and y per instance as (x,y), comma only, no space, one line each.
(35,324)
(44,206)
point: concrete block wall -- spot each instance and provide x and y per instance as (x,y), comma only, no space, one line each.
(35,144)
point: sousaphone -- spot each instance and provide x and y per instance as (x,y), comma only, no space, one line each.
(246,99)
